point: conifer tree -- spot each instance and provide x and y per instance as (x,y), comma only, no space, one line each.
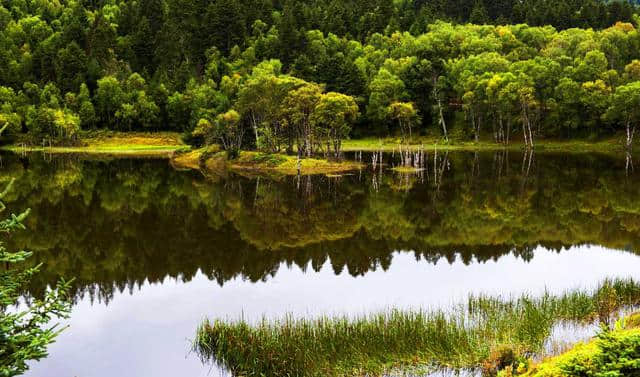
(25,332)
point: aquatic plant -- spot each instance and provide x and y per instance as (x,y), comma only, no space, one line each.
(483,333)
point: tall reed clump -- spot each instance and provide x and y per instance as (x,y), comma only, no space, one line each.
(467,336)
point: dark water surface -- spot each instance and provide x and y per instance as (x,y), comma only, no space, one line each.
(155,250)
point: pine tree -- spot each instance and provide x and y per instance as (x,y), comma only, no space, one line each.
(479,14)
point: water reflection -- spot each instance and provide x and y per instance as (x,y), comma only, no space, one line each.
(149,332)
(117,223)
(154,250)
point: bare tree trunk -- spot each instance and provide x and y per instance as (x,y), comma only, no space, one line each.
(473,125)
(630,131)
(526,127)
(436,94)
(254,123)
(524,133)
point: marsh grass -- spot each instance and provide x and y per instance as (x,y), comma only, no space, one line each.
(482,333)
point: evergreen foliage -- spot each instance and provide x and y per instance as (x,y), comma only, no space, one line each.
(25,332)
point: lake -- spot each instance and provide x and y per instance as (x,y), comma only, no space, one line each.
(154,250)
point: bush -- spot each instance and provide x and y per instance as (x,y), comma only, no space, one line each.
(504,361)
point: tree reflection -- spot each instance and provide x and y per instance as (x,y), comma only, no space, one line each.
(114,224)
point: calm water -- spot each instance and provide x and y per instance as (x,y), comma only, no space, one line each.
(155,250)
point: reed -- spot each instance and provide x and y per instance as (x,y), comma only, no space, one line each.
(468,336)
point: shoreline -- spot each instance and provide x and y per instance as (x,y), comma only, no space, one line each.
(125,151)
(169,145)
(611,145)
(122,142)
(142,144)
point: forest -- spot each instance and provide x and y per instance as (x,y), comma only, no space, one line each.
(285,75)
(196,157)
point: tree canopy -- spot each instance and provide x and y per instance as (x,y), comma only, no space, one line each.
(527,69)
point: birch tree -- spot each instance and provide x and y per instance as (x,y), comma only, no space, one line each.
(625,108)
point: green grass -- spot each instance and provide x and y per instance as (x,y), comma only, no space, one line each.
(268,159)
(475,335)
(406,169)
(259,163)
(430,143)
(161,143)
(112,143)
(282,164)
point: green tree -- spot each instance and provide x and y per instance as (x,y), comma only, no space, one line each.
(298,107)
(406,115)
(25,333)
(260,99)
(334,114)
(479,13)
(625,108)
(10,120)
(109,98)
(227,130)
(81,104)
(385,88)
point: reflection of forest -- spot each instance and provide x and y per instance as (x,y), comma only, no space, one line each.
(115,224)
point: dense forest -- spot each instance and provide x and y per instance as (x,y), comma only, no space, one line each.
(282,74)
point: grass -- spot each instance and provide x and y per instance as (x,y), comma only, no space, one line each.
(163,143)
(406,169)
(113,143)
(288,165)
(249,162)
(188,160)
(570,146)
(481,334)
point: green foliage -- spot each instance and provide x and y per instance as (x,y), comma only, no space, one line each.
(405,114)
(614,353)
(298,109)
(619,356)
(334,114)
(167,64)
(225,130)
(55,123)
(25,333)
(625,105)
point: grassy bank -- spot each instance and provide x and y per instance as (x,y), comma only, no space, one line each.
(429,143)
(163,143)
(485,333)
(112,143)
(249,162)
(613,353)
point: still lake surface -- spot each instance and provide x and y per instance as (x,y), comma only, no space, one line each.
(154,250)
